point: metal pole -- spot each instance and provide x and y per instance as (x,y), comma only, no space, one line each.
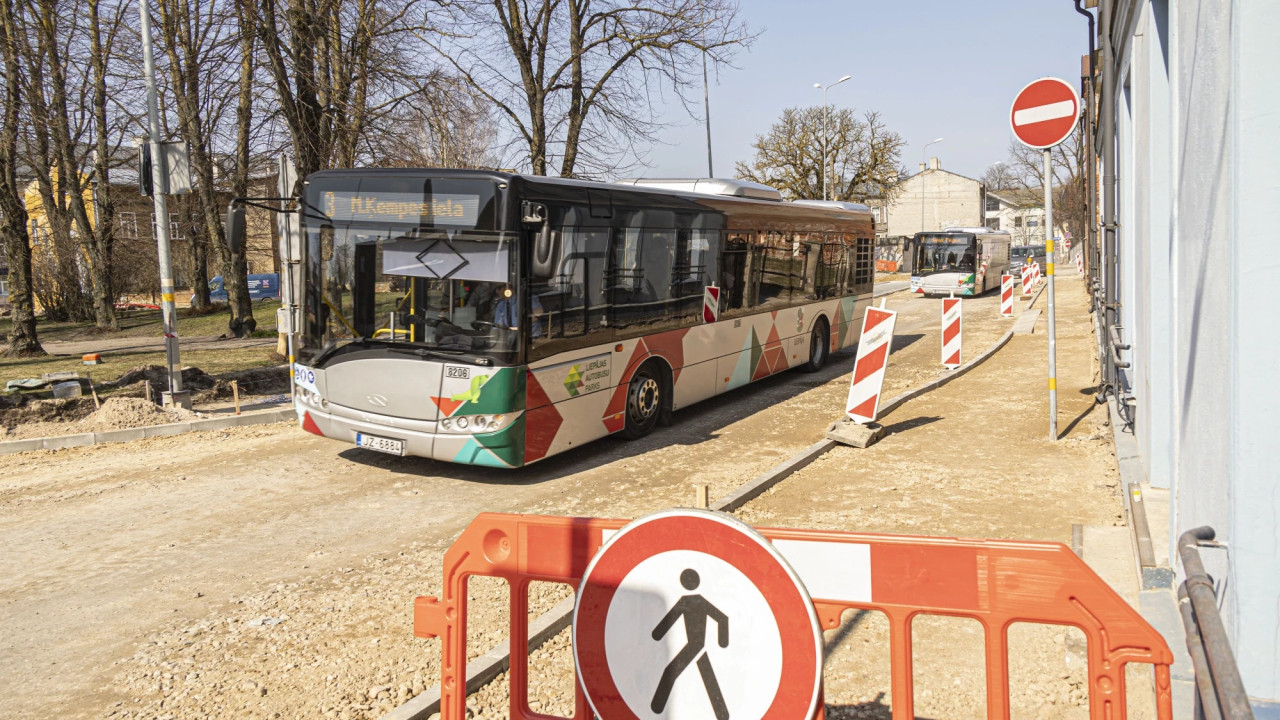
(159,177)
(1108,258)
(1053,331)
(706,105)
(824,143)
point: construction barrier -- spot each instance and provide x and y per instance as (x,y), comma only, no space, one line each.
(1026,280)
(999,583)
(1035,273)
(1080,262)
(874,345)
(951,326)
(1006,296)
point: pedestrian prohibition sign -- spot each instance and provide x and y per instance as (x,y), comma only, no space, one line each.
(690,614)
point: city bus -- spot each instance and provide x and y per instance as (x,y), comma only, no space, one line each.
(959,260)
(496,319)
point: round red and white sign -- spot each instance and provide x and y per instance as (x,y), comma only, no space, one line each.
(691,614)
(1044,113)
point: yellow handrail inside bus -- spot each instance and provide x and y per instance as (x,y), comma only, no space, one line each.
(338,312)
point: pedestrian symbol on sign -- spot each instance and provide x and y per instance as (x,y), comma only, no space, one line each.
(695,610)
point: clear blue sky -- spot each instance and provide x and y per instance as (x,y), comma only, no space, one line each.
(933,68)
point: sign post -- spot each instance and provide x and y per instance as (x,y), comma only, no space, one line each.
(1044,114)
(691,613)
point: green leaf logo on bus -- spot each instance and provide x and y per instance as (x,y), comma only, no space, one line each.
(587,377)
(573,381)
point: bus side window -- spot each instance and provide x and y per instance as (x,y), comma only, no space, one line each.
(864,266)
(775,273)
(733,272)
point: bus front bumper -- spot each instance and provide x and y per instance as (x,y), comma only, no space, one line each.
(421,438)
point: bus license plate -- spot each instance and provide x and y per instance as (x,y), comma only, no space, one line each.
(381,444)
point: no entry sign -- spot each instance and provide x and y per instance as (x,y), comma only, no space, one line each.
(1044,112)
(691,614)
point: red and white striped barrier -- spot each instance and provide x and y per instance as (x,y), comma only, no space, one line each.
(1026,279)
(1006,296)
(868,369)
(1080,263)
(1035,273)
(951,317)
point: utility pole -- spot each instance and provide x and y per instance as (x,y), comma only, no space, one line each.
(176,396)
(706,111)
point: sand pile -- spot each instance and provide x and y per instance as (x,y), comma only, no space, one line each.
(116,413)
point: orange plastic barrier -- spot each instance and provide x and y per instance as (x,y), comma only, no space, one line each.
(996,582)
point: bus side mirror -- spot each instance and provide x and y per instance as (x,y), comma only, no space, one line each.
(235,227)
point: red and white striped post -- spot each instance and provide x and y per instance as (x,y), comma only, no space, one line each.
(1006,295)
(868,368)
(1080,262)
(1035,274)
(1026,280)
(951,318)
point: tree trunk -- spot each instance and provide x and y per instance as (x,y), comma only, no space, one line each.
(23,339)
(102,242)
(242,322)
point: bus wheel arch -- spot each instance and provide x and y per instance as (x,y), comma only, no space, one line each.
(648,401)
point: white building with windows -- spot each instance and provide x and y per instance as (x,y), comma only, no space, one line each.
(934,199)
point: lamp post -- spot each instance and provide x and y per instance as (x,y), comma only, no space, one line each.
(923,152)
(822,87)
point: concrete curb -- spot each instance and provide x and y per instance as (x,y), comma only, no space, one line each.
(495,662)
(261,417)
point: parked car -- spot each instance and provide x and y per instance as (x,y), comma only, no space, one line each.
(1019,255)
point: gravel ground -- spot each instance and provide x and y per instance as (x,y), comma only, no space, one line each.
(264,572)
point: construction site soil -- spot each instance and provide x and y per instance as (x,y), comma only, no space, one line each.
(265,572)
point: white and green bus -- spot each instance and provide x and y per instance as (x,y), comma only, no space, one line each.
(959,261)
(497,319)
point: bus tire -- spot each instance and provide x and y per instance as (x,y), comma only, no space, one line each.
(819,346)
(646,398)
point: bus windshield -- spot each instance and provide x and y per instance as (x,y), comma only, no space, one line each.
(390,268)
(944,254)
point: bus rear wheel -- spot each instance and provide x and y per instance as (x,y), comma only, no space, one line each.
(819,346)
(645,401)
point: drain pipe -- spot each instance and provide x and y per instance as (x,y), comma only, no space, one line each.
(1089,251)
(1109,255)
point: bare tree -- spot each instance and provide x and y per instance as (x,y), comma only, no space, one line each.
(1000,176)
(1070,207)
(65,78)
(198,39)
(579,81)
(339,69)
(23,339)
(864,155)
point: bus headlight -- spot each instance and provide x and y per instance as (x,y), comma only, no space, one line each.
(476,423)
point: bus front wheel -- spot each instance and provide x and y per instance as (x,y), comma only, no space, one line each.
(645,401)
(819,346)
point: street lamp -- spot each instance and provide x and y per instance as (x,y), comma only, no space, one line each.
(824,129)
(923,152)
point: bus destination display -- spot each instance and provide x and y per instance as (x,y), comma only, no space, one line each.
(438,209)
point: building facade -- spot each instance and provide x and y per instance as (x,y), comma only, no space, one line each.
(933,199)
(1197,162)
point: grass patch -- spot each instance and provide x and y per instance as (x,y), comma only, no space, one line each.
(213,362)
(150,323)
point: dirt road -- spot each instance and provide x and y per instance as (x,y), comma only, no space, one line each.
(266,572)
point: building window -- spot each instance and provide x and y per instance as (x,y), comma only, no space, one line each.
(1033,223)
(1017,222)
(993,203)
(993,223)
